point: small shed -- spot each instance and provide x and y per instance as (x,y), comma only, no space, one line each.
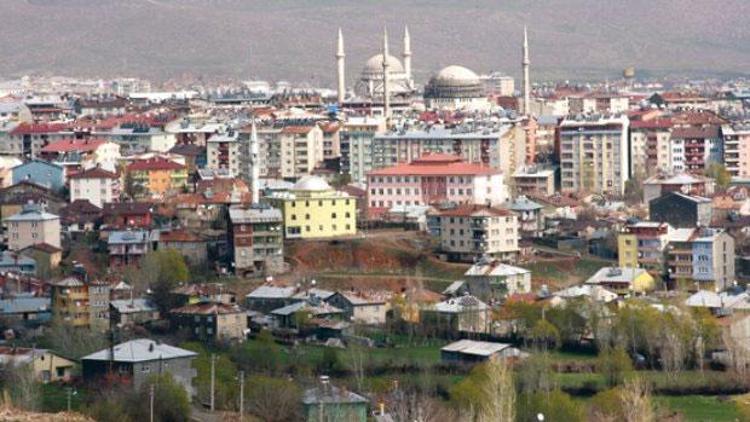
(472,351)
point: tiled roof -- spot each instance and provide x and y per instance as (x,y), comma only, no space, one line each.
(209,308)
(297,130)
(473,210)
(94,173)
(38,128)
(155,163)
(436,164)
(74,145)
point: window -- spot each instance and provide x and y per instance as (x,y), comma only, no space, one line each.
(333,215)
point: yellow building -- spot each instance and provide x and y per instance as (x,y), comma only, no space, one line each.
(627,250)
(313,209)
(70,302)
(158,176)
(45,365)
(623,280)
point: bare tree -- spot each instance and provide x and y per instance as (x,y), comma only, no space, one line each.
(356,360)
(500,390)
(636,399)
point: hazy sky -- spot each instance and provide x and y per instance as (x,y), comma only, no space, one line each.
(294,39)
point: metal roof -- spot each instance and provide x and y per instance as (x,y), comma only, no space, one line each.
(141,350)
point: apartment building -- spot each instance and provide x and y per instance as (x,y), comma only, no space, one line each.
(313,209)
(468,232)
(223,152)
(642,245)
(158,176)
(80,304)
(651,148)
(432,179)
(356,143)
(697,147)
(257,239)
(535,180)
(736,140)
(594,154)
(95,185)
(701,258)
(500,146)
(33,225)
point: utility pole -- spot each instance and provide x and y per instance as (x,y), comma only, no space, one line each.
(242,395)
(213,375)
(70,398)
(151,401)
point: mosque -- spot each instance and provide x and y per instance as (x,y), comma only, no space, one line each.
(386,85)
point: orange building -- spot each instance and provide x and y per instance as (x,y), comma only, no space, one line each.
(158,176)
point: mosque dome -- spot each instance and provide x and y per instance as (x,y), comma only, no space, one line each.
(454,82)
(374,67)
(456,75)
(311,183)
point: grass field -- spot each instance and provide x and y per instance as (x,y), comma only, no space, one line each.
(701,408)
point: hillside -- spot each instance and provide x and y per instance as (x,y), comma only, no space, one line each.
(293,39)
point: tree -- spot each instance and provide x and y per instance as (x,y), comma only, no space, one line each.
(720,174)
(171,402)
(262,355)
(330,361)
(545,335)
(18,380)
(487,393)
(72,343)
(132,188)
(273,399)
(164,270)
(357,359)
(614,365)
(535,375)
(635,396)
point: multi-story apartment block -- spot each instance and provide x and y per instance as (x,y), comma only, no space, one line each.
(313,209)
(95,185)
(289,152)
(736,139)
(594,154)
(223,152)
(467,232)
(128,247)
(158,176)
(81,304)
(331,140)
(32,226)
(535,180)
(432,179)
(598,103)
(701,258)
(642,245)
(696,147)
(211,321)
(356,145)
(257,239)
(501,146)
(651,147)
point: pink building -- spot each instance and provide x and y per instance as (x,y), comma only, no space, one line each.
(432,179)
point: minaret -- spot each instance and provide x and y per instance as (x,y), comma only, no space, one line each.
(525,65)
(340,69)
(407,53)
(254,164)
(386,80)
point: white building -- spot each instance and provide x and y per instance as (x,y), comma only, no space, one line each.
(95,185)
